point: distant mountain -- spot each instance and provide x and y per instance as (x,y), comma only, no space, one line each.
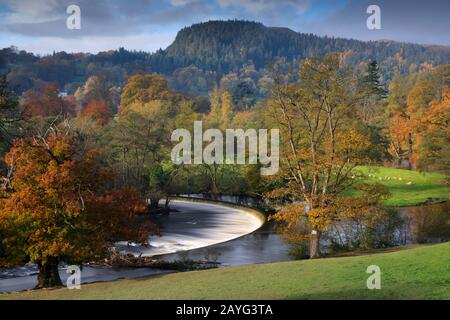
(227,45)
(203,53)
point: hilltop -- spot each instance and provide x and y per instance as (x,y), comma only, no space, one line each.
(202,54)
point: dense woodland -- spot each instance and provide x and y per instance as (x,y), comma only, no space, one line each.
(84,168)
(238,54)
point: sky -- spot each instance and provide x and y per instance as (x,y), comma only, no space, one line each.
(39,26)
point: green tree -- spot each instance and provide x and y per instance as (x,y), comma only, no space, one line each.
(138,140)
(161,182)
(373,95)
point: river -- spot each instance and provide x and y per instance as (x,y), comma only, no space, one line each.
(230,236)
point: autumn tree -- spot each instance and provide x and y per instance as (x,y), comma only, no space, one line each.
(432,134)
(319,150)
(98,88)
(46,103)
(419,114)
(399,133)
(95,88)
(61,207)
(98,111)
(146,88)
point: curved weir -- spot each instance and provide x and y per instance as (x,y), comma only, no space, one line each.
(194,225)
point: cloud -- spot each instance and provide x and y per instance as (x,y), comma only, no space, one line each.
(146,42)
(402,20)
(179,2)
(31,22)
(266,6)
(23,11)
(47,18)
(183,12)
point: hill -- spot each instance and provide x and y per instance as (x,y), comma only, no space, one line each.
(228,45)
(204,53)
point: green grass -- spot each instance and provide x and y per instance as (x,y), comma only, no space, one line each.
(422,187)
(415,273)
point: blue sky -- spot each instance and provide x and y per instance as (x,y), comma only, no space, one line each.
(40,25)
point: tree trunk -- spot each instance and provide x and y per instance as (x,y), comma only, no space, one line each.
(314,249)
(154,203)
(214,189)
(410,152)
(166,205)
(48,276)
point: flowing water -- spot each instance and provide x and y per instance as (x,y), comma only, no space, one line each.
(195,225)
(190,226)
(422,224)
(230,236)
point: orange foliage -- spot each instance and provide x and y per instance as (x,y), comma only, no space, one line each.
(46,103)
(98,111)
(423,113)
(60,206)
(399,129)
(433,117)
(407,129)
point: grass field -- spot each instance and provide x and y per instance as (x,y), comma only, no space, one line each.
(408,188)
(415,273)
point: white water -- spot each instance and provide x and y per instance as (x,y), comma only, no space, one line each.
(196,225)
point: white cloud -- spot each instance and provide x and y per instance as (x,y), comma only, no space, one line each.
(147,42)
(259,6)
(178,3)
(26,11)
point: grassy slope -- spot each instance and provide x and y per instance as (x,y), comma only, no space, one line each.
(417,273)
(424,185)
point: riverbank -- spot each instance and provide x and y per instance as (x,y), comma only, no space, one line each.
(417,273)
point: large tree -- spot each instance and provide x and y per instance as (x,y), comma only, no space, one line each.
(319,149)
(60,206)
